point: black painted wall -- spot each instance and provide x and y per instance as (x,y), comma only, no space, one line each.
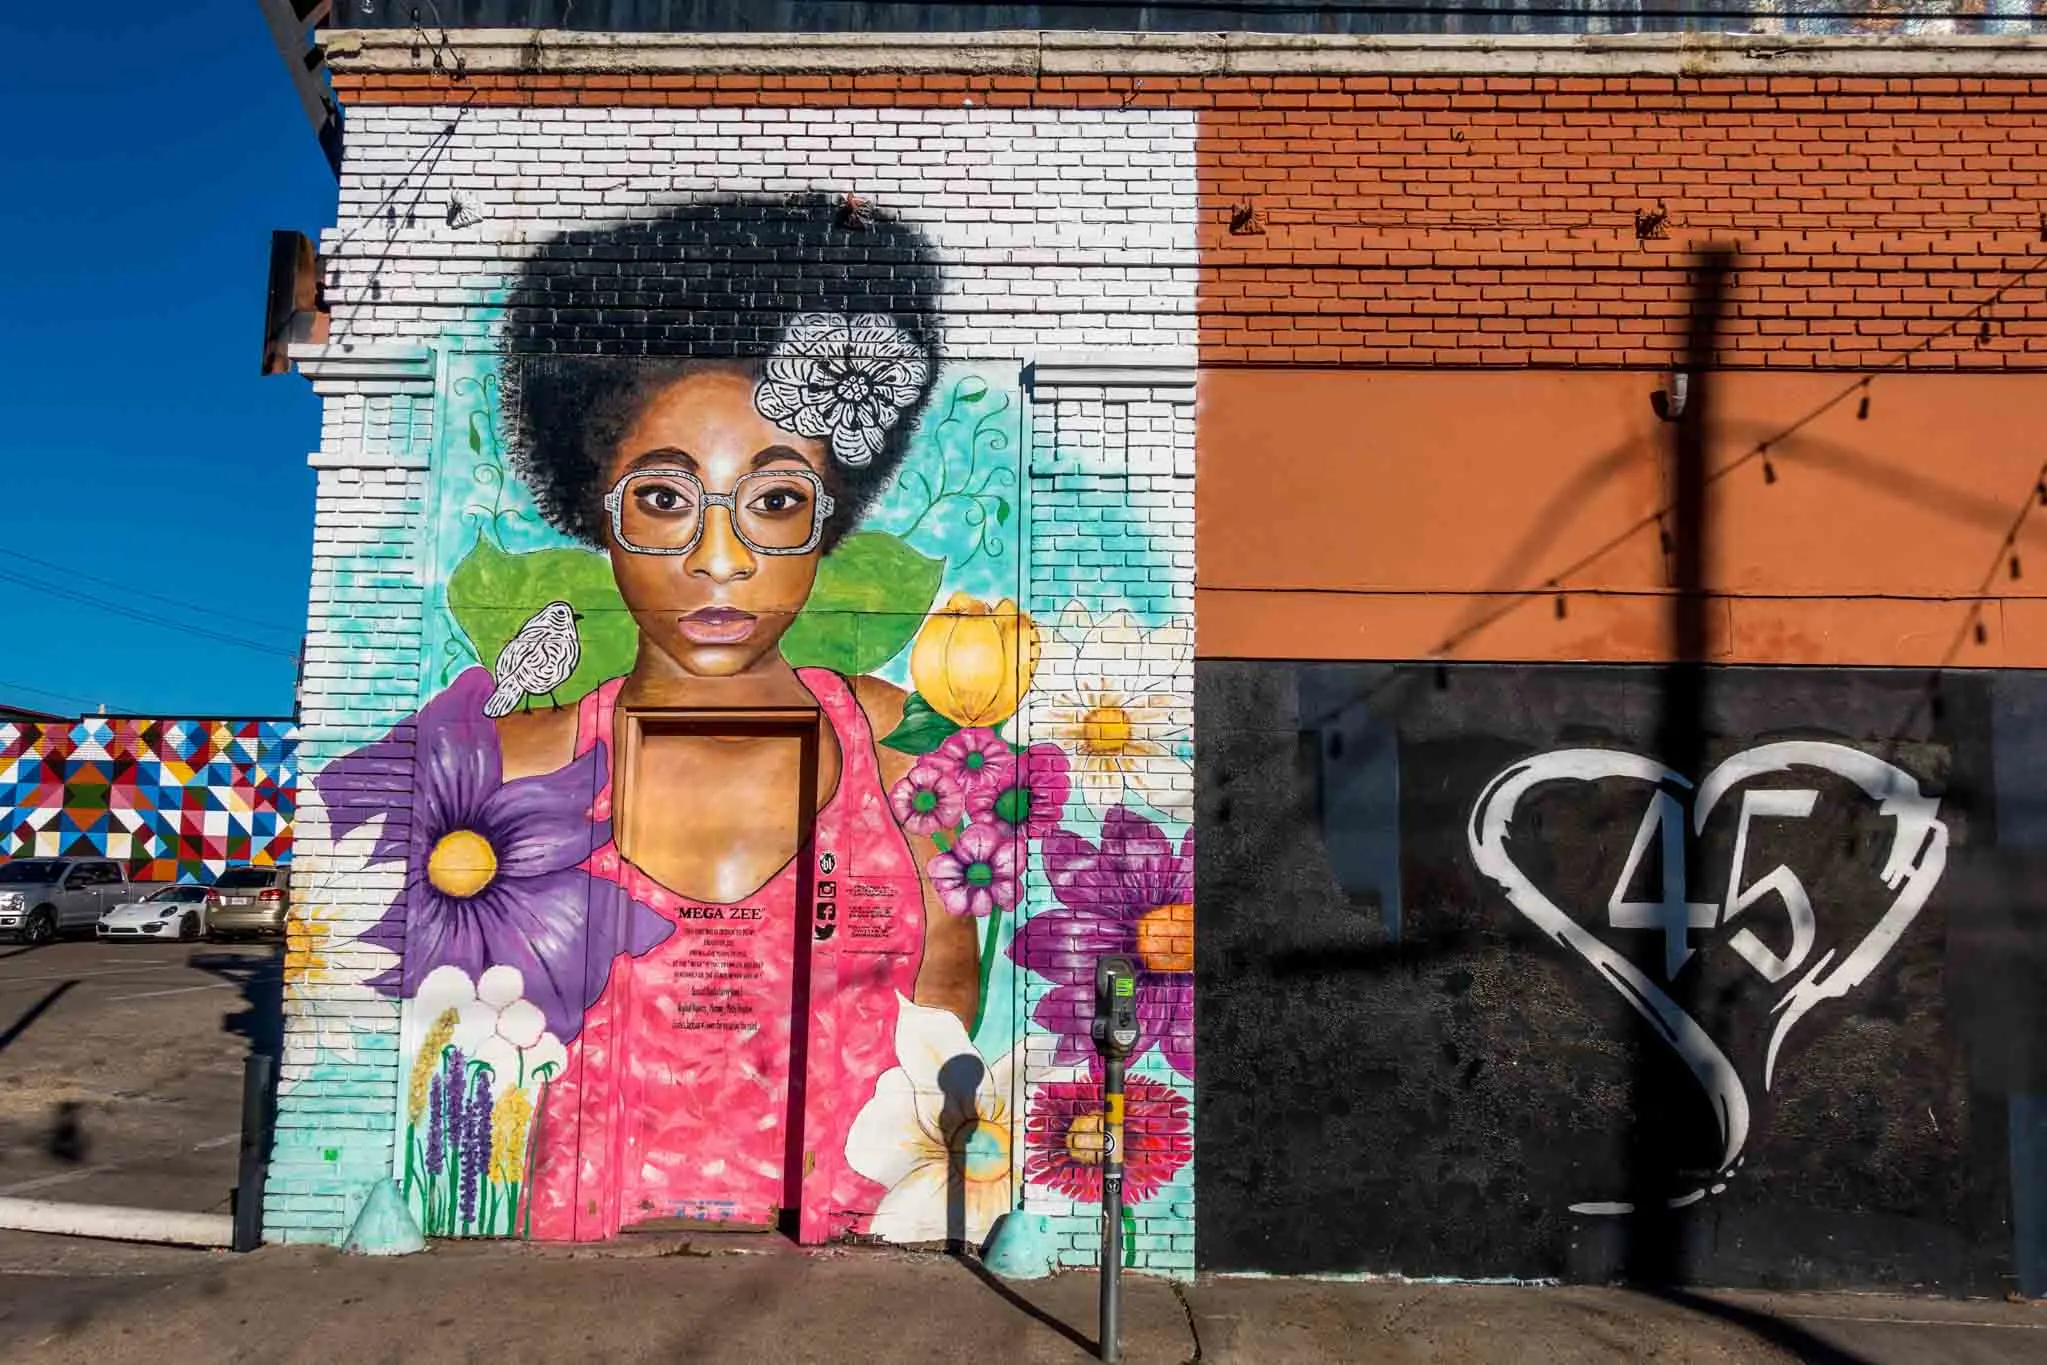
(1399,1071)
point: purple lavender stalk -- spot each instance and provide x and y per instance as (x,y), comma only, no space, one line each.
(456,1069)
(476,1144)
(435,1104)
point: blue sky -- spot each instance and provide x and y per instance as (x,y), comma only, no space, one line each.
(146,152)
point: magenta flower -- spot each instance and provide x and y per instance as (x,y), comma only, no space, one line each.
(1031,796)
(1064,1138)
(928,799)
(978,875)
(976,757)
(1133,895)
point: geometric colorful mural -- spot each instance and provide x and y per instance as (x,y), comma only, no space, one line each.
(176,800)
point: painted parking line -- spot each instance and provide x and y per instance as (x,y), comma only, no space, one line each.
(6,981)
(177,990)
(44,1182)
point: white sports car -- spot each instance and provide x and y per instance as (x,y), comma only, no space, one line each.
(177,912)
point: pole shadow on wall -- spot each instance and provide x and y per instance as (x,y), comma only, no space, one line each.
(1654,1256)
(1649,1246)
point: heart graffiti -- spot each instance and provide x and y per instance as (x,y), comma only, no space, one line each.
(1913,864)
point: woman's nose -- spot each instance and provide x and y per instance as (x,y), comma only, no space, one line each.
(719,553)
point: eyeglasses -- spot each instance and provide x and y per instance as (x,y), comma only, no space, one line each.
(773,512)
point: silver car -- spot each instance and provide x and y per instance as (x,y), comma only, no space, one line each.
(43,897)
(248,900)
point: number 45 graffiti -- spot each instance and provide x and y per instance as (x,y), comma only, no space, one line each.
(1912,867)
(1675,915)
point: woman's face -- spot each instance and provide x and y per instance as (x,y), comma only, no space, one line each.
(720,608)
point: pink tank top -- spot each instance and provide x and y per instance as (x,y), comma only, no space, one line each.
(676,1099)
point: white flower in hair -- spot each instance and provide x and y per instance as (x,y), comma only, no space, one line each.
(848,379)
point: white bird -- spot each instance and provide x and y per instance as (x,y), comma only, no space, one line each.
(538,659)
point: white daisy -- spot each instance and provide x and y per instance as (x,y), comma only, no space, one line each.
(1117,696)
(327,999)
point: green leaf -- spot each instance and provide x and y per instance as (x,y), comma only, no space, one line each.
(492,593)
(922,730)
(476,433)
(871,595)
(1001,510)
(969,390)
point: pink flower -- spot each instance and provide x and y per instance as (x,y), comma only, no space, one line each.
(978,875)
(978,757)
(1031,798)
(928,799)
(1064,1146)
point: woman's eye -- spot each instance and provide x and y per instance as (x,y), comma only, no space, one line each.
(779,501)
(662,499)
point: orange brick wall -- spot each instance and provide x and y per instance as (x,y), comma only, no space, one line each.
(1493,221)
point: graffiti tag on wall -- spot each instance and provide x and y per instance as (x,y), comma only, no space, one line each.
(1796,959)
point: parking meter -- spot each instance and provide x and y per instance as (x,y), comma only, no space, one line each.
(1115,1025)
(1115,1037)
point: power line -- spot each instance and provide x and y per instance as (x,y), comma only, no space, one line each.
(1555,583)
(7,686)
(68,571)
(119,609)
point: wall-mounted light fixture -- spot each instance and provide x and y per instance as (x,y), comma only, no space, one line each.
(1669,400)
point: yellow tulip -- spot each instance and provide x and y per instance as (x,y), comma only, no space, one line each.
(973,662)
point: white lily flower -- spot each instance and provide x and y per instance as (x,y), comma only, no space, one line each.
(937,1134)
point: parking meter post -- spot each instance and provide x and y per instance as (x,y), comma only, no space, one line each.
(1115,1037)
(1112,1204)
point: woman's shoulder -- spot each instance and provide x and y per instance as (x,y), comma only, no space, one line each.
(537,741)
(881,699)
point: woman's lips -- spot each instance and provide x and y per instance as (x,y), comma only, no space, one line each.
(717,626)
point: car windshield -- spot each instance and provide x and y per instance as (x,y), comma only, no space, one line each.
(243,878)
(175,894)
(31,870)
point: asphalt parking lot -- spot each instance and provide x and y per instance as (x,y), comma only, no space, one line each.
(121,1068)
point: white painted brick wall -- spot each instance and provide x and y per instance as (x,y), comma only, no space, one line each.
(1060,231)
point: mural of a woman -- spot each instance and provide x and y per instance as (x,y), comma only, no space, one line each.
(711,400)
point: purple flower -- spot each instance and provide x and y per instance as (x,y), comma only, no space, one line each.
(458,1127)
(475,1144)
(436,1153)
(976,757)
(1133,895)
(928,799)
(978,875)
(1031,795)
(495,870)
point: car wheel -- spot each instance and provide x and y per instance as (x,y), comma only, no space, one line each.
(188,929)
(41,928)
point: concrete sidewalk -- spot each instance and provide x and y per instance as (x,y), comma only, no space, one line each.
(765,1303)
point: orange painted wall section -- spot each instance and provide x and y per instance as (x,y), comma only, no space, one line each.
(1511,515)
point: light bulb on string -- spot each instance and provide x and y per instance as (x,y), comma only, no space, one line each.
(1769,470)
